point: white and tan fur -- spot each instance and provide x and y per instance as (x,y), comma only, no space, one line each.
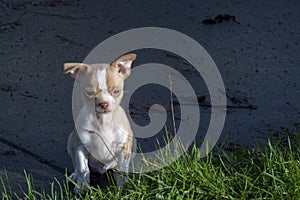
(102,138)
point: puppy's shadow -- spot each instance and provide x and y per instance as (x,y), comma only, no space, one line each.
(98,180)
(102,180)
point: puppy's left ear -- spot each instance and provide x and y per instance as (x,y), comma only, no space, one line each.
(76,70)
(123,64)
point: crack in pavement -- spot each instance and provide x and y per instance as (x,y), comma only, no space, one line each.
(33,155)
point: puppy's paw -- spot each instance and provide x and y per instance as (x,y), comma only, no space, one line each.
(74,176)
(82,182)
(127,150)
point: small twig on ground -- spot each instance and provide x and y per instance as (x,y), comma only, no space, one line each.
(172,56)
(179,58)
(9,87)
(53,3)
(68,17)
(202,103)
(27,94)
(220,18)
(250,106)
(64,39)
(9,25)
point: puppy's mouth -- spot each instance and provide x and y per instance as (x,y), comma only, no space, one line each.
(102,111)
(102,107)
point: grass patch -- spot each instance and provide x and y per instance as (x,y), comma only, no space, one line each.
(272,172)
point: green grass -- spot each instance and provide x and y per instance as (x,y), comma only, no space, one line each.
(272,172)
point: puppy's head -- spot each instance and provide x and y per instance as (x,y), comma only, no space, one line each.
(102,84)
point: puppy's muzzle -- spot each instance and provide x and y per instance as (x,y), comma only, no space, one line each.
(102,106)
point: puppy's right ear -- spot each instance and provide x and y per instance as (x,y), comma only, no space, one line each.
(76,70)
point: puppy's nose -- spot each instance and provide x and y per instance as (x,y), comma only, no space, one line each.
(104,105)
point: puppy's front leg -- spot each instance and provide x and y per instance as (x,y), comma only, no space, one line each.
(123,167)
(123,163)
(81,160)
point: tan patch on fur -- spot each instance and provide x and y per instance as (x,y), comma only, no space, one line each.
(113,80)
(127,147)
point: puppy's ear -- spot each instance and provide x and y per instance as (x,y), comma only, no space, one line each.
(76,70)
(123,64)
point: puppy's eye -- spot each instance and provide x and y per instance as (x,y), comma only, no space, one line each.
(116,91)
(90,93)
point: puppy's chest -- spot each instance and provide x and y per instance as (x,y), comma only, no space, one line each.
(104,146)
(107,138)
(113,135)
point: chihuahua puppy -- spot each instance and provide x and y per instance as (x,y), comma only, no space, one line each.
(102,138)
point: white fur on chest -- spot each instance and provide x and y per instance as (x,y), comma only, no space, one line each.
(103,139)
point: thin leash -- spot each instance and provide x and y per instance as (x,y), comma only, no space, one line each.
(93,132)
(109,150)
